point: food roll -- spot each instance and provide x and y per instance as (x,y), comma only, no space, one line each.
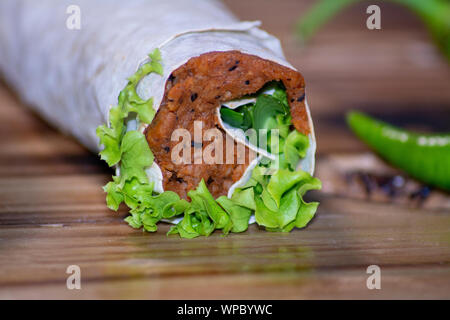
(205,122)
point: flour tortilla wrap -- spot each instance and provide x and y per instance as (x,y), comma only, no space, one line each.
(72,77)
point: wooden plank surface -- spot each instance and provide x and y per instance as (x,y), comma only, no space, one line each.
(53,213)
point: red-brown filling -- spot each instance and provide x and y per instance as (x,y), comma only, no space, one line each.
(193,92)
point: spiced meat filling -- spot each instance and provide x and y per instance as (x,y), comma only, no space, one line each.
(193,92)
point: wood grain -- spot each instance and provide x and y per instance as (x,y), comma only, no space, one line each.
(53,213)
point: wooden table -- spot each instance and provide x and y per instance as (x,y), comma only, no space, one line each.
(53,213)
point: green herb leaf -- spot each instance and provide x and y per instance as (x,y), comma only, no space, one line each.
(266,109)
(233,118)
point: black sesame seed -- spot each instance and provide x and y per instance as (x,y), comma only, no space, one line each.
(192,110)
(167,149)
(301,98)
(193,97)
(232,68)
(247,82)
(218,97)
(210,180)
(292,100)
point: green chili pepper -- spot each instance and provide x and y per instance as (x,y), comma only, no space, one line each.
(423,156)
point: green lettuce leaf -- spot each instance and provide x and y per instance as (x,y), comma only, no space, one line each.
(295,147)
(266,109)
(280,206)
(136,156)
(110,137)
(194,224)
(129,102)
(278,219)
(282,181)
(203,216)
(239,215)
(280,94)
(245,197)
(232,117)
(130,151)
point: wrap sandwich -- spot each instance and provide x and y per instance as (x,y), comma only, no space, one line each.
(204,121)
